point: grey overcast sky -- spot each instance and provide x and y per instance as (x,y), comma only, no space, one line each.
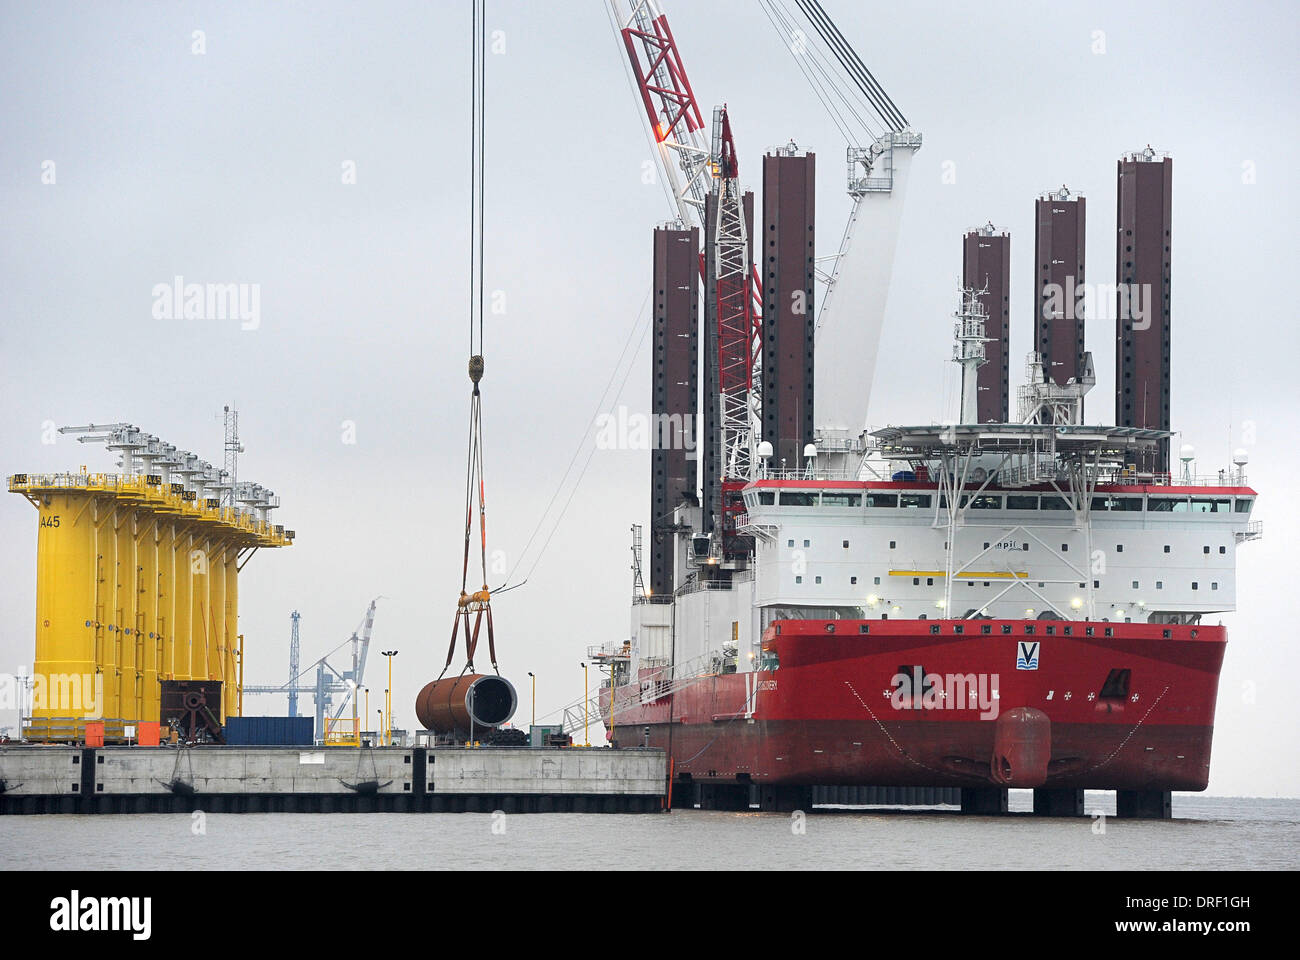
(226,166)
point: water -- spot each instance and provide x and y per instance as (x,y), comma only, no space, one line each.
(1208,833)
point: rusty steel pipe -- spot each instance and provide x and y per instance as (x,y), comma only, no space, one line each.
(449,705)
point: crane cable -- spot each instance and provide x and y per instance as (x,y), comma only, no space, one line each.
(478,602)
(824,85)
(852,64)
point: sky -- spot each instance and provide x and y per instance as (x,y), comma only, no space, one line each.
(320,152)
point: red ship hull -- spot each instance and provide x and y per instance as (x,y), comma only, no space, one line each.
(1107,706)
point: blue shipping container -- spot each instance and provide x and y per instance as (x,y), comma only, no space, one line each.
(269,731)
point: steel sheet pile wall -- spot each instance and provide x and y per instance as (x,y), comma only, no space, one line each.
(256,779)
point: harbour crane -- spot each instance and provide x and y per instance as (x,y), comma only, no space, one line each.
(329,681)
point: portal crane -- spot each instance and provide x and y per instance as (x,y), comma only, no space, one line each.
(329,681)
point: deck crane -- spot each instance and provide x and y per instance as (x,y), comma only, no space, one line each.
(699,171)
(676,124)
(851,316)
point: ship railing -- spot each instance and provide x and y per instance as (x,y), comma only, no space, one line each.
(652,687)
(778,473)
(131,482)
(1253,531)
(1224,479)
(610,651)
(695,586)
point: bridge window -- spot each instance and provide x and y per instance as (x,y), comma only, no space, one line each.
(1022,503)
(1128,504)
(766,498)
(1054,503)
(1211,506)
(841,499)
(1243,506)
(914,500)
(882,499)
(798,498)
(986,503)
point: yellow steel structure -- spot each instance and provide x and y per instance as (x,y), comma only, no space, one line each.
(136,583)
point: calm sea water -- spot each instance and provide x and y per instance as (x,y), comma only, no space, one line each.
(1211,833)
